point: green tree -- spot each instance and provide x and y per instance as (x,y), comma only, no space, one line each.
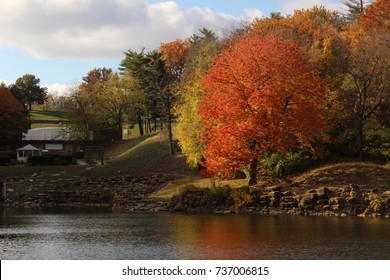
(81,112)
(28,90)
(355,8)
(156,81)
(121,99)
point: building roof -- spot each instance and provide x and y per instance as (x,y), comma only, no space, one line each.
(28,147)
(47,134)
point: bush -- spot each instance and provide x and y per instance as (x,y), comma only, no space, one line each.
(194,197)
(78,155)
(292,162)
(241,197)
(41,160)
(66,158)
(5,160)
(377,203)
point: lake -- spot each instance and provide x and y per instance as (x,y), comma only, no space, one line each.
(104,235)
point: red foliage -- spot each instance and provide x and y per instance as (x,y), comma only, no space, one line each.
(377,16)
(260,96)
(12,120)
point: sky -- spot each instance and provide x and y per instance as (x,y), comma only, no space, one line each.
(60,41)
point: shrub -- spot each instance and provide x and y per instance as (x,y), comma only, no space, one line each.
(66,158)
(78,155)
(194,197)
(5,160)
(241,197)
(41,160)
(292,162)
(377,203)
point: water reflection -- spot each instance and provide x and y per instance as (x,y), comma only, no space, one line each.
(105,235)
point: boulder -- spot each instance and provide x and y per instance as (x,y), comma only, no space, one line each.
(275,194)
(274,188)
(323,192)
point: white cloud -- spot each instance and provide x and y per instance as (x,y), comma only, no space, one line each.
(253,13)
(100,28)
(7,83)
(288,7)
(61,89)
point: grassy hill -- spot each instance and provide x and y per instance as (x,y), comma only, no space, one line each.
(148,154)
(46,118)
(47,115)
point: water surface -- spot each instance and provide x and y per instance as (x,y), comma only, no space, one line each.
(106,235)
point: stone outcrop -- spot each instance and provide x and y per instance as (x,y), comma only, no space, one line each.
(131,193)
(287,200)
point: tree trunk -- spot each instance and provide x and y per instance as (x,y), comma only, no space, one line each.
(361,139)
(253,171)
(170,136)
(141,129)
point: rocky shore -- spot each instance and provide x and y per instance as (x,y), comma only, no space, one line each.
(130,193)
(286,200)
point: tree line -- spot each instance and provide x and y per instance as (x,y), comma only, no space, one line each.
(312,83)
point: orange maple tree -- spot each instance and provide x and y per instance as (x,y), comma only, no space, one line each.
(260,96)
(377,16)
(174,55)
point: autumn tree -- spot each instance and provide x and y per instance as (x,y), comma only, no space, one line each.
(120,100)
(97,75)
(376,20)
(201,52)
(82,107)
(12,120)
(261,96)
(28,90)
(320,34)
(81,113)
(366,84)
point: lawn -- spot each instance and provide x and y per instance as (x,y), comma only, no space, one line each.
(46,115)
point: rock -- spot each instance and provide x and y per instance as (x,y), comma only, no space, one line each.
(326,207)
(288,199)
(336,207)
(310,196)
(386,194)
(322,202)
(288,193)
(323,192)
(274,189)
(336,200)
(275,194)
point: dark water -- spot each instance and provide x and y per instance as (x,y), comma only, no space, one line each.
(93,235)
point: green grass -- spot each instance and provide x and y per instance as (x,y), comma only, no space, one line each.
(41,125)
(47,115)
(147,155)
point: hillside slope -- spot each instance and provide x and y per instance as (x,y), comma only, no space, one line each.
(148,155)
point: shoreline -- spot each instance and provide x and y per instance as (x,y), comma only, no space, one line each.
(130,194)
